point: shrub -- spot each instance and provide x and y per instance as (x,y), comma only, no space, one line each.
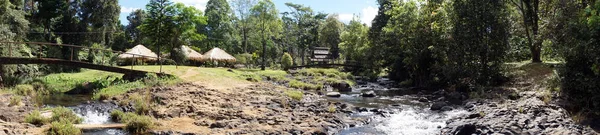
(141,105)
(35,118)
(331,108)
(286,61)
(15,100)
(64,113)
(40,88)
(24,90)
(63,127)
(297,95)
(116,115)
(138,124)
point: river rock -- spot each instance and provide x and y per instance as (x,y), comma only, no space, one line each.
(333,94)
(423,99)
(368,94)
(437,105)
(342,86)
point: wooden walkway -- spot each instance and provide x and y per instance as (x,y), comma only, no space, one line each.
(325,66)
(99,126)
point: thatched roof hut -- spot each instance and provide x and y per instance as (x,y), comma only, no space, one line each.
(217,54)
(139,52)
(191,54)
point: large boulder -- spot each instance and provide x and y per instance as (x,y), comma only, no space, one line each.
(438,105)
(333,94)
(342,86)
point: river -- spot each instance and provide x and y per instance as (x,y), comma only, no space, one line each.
(407,116)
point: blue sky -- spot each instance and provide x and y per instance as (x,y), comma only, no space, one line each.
(365,9)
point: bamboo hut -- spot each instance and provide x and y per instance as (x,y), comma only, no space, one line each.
(218,55)
(138,52)
(190,54)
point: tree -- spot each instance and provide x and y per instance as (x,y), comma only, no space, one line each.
(480,34)
(186,19)
(219,28)
(135,18)
(307,23)
(354,40)
(157,25)
(265,15)
(101,15)
(242,7)
(329,34)
(13,28)
(531,13)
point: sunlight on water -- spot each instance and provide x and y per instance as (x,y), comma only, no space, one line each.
(412,121)
(94,117)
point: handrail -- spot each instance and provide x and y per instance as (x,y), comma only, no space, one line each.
(83,47)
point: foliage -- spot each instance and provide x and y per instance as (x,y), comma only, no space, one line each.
(15,100)
(35,118)
(578,40)
(65,114)
(286,61)
(354,42)
(24,90)
(218,27)
(63,127)
(138,123)
(297,95)
(329,34)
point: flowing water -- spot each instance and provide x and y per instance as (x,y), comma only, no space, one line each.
(91,112)
(409,116)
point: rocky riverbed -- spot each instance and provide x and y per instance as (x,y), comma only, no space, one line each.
(12,117)
(257,109)
(525,115)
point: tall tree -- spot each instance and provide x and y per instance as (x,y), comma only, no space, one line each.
(157,25)
(308,25)
(242,9)
(102,16)
(135,18)
(219,28)
(265,15)
(354,40)
(329,34)
(531,14)
(185,21)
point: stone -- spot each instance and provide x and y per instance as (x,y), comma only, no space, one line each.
(423,99)
(446,108)
(342,86)
(474,115)
(333,94)
(369,94)
(437,105)
(467,129)
(218,124)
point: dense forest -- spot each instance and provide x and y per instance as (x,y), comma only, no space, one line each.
(461,44)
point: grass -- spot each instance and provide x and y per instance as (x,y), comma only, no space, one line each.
(65,114)
(36,118)
(15,100)
(134,123)
(24,90)
(63,127)
(294,94)
(331,108)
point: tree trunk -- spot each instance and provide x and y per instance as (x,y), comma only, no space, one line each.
(536,50)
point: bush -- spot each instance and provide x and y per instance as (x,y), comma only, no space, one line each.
(63,127)
(15,100)
(178,56)
(141,105)
(35,118)
(297,95)
(116,115)
(286,61)
(138,124)
(24,90)
(63,113)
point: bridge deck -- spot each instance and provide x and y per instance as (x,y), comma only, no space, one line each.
(14,60)
(325,65)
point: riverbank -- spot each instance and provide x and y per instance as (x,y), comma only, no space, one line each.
(529,104)
(260,108)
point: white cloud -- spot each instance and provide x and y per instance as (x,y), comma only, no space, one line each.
(368,14)
(128,9)
(199,4)
(346,17)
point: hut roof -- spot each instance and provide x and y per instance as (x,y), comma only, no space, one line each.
(217,54)
(190,53)
(140,52)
